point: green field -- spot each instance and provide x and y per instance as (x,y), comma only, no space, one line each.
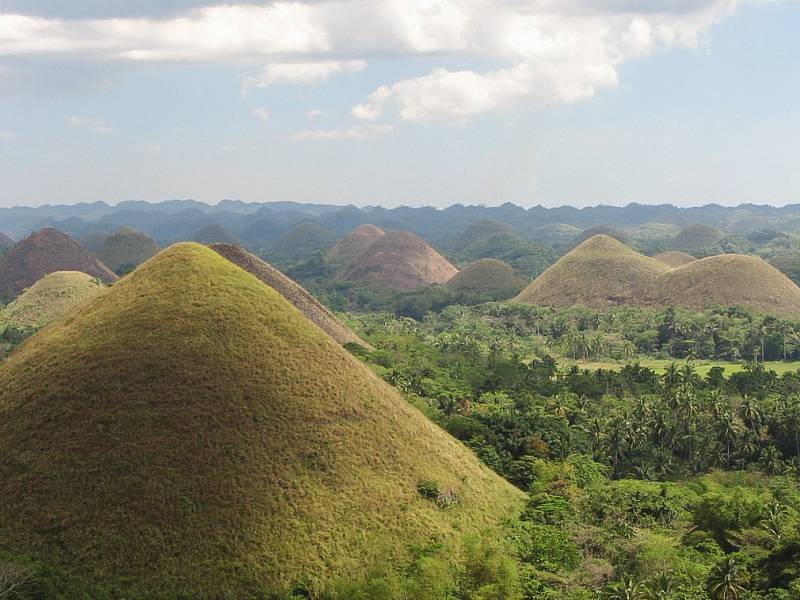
(659,365)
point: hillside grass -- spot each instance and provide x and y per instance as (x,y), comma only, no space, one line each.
(190,434)
(659,365)
(126,250)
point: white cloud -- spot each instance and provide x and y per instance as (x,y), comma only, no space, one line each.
(544,50)
(7,135)
(155,149)
(361,132)
(316,113)
(92,124)
(304,73)
(262,114)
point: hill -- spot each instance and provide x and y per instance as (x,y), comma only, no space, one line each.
(5,242)
(215,234)
(699,240)
(789,265)
(674,259)
(126,250)
(601,272)
(588,234)
(301,241)
(487,275)
(351,245)
(231,449)
(95,240)
(313,310)
(730,280)
(401,261)
(47,300)
(46,251)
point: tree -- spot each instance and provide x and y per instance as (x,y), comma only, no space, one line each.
(724,582)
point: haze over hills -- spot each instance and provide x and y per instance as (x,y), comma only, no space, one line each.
(292,291)
(126,250)
(46,251)
(401,261)
(233,447)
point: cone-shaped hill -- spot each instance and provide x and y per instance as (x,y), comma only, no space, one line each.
(487,275)
(215,234)
(95,240)
(729,280)
(605,230)
(352,245)
(699,240)
(50,298)
(300,241)
(189,433)
(126,250)
(306,303)
(401,261)
(674,258)
(46,251)
(601,272)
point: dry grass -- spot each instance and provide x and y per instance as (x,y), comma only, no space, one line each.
(126,249)
(487,275)
(352,245)
(601,272)
(401,261)
(674,258)
(190,434)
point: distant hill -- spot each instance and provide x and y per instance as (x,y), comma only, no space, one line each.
(555,234)
(601,272)
(5,242)
(487,275)
(46,251)
(231,451)
(730,280)
(215,234)
(95,240)
(303,301)
(789,265)
(400,261)
(47,300)
(699,240)
(352,244)
(301,241)
(126,250)
(491,239)
(606,230)
(673,258)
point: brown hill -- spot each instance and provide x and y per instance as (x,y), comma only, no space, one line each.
(126,250)
(352,245)
(46,251)
(588,234)
(487,275)
(189,434)
(601,272)
(729,280)
(399,260)
(674,258)
(292,291)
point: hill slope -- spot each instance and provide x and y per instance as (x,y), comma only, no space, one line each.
(300,241)
(5,242)
(487,275)
(46,251)
(730,280)
(190,434)
(313,310)
(699,240)
(126,250)
(401,261)
(215,234)
(353,244)
(601,272)
(50,298)
(673,258)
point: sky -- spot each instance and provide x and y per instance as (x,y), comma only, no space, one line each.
(400,102)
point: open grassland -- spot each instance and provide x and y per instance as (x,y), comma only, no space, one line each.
(659,365)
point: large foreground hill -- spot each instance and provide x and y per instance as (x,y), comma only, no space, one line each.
(190,434)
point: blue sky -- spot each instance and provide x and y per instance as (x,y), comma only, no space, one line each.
(417,102)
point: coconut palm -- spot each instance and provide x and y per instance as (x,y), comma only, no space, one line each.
(724,582)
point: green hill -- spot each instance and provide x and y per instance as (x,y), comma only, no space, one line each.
(190,434)
(606,230)
(699,240)
(47,300)
(674,259)
(301,241)
(601,272)
(5,242)
(488,275)
(351,245)
(126,250)
(215,234)
(95,240)
(789,265)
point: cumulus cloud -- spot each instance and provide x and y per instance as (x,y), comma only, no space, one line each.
(7,135)
(92,124)
(361,132)
(541,50)
(262,114)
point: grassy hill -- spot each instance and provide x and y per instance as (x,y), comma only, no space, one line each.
(95,240)
(699,240)
(674,259)
(605,230)
(730,280)
(215,234)
(46,251)
(352,245)
(301,241)
(601,272)
(126,250)
(789,265)
(190,434)
(47,300)
(400,261)
(487,275)
(292,291)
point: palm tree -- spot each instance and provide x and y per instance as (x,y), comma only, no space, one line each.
(724,582)
(625,589)
(660,587)
(750,414)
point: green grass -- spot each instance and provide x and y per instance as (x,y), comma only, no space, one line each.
(190,434)
(659,365)
(126,249)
